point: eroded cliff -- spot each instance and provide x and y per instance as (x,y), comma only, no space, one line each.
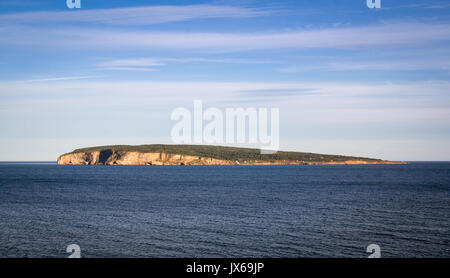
(111,157)
(121,157)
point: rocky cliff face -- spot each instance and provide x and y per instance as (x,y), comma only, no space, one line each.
(111,157)
(88,158)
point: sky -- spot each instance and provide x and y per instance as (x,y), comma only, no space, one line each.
(347,79)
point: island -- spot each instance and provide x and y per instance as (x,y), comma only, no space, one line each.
(203,155)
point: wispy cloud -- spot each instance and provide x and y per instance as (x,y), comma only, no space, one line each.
(277,92)
(63,78)
(145,15)
(141,62)
(168,92)
(127,69)
(150,64)
(436,5)
(383,35)
(410,64)
(22,3)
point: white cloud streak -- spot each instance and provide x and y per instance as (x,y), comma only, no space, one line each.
(419,6)
(384,35)
(151,64)
(144,69)
(386,65)
(321,95)
(145,15)
(63,78)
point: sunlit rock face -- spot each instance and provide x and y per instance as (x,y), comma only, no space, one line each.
(112,157)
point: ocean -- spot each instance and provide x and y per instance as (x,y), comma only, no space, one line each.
(225,211)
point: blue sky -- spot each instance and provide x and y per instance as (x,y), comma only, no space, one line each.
(347,79)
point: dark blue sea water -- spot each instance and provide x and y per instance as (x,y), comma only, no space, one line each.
(225,211)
